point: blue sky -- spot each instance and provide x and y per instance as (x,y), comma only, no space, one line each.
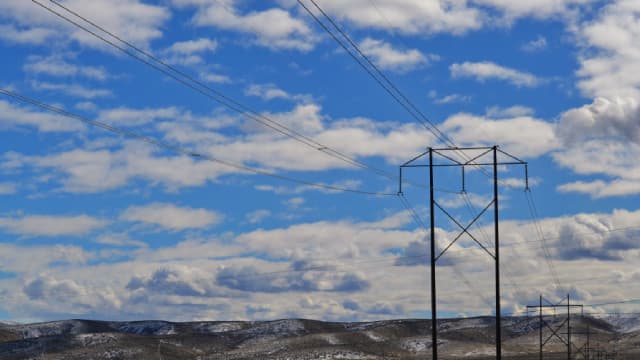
(97,225)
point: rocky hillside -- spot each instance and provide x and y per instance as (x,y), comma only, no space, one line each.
(468,338)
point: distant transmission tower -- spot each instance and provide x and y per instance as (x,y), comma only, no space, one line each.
(474,158)
(555,331)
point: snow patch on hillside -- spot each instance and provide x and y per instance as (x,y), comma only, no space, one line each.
(148,328)
(207,328)
(624,323)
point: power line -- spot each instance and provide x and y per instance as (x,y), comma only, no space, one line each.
(205,90)
(398,95)
(620,302)
(382,80)
(540,234)
(539,240)
(302,138)
(390,87)
(181,150)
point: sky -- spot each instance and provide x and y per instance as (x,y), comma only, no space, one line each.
(260,181)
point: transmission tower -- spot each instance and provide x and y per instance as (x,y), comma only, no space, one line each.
(474,158)
(555,331)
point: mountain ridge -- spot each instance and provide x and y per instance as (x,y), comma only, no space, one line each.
(468,338)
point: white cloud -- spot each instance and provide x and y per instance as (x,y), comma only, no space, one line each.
(120,240)
(171,217)
(198,278)
(75,90)
(190,52)
(124,116)
(45,287)
(215,78)
(618,164)
(271,91)
(610,66)
(610,124)
(86,106)
(258,216)
(57,66)
(408,16)
(609,74)
(284,31)
(459,201)
(7,188)
(47,225)
(388,58)
(305,118)
(34,259)
(522,135)
(14,116)
(539,44)
(33,35)
(177,280)
(509,112)
(295,203)
(135,21)
(193,46)
(600,188)
(267,91)
(452,99)
(541,9)
(487,70)
(604,118)
(88,171)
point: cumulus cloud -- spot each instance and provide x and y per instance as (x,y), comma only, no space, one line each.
(190,52)
(135,21)
(388,58)
(611,66)
(271,91)
(284,31)
(258,216)
(487,70)
(57,66)
(75,90)
(105,166)
(610,124)
(46,287)
(522,135)
(249,278)
(31,35)
(12,115)
(542,9)
(171,217)
(120,240)
(193,46)
(603,118)
(608,74)
(408,16)
(29,259)
(215,78)
(509,112)
(177,280)
(135,117)
(47,225)
(90,171)
(202,276)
